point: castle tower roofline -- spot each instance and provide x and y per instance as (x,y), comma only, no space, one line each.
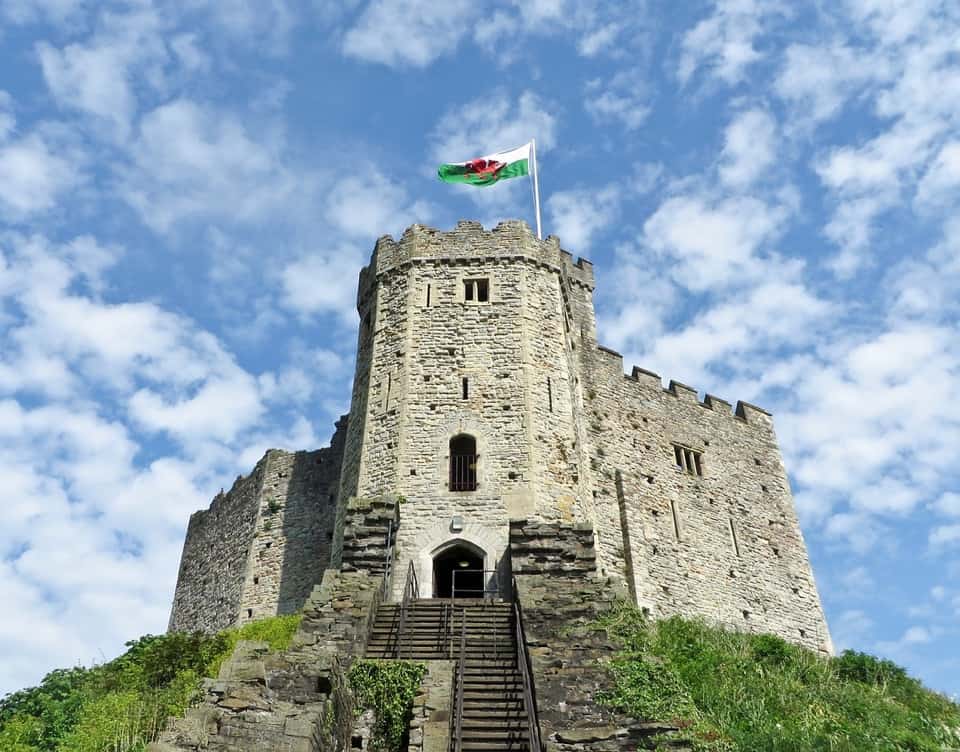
(469,241)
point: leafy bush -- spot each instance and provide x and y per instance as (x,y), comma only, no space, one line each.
(387,688)
(121,705)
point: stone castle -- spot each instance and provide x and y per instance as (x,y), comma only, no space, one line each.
(496,436)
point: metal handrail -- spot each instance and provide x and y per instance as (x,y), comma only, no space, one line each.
(458,701)
(388,564)
(486,591)
(526,671)
(411,591)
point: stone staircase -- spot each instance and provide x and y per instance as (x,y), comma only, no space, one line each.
(494,717)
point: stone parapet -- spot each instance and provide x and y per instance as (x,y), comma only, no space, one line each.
(470,241)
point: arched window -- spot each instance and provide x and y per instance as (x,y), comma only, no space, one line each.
(463,463)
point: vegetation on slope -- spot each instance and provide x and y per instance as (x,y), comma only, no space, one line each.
(737,692)
(122,705)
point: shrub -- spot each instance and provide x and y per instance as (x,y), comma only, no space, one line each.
(387,688)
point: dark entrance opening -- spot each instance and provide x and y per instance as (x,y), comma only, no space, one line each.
(469,580)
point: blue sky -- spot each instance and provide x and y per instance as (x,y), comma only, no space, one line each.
(768,190)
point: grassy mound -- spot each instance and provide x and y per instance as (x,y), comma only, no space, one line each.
(738,692)
(122,705)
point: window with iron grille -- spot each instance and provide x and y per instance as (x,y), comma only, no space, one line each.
(463,463)
(688,460)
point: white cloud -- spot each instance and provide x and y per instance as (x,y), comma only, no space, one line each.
(367,203)
(494,122)
(621,98)
(315,283)
(27,11)
(96,77)
(578,215)
(940,185)
(750,148)
(409,32)
(711,242)
(943,536)
(948,504)
(915,635)
(32,176)
(725,40)
(818,80)
(192,161)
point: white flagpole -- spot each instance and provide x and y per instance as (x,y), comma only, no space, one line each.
(536,185)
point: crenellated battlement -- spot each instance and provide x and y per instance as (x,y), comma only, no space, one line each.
(743,411)
(470,242)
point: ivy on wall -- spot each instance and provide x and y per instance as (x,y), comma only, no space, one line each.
(388,688)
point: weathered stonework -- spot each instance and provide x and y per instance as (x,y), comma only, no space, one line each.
(566,444)
(262,546)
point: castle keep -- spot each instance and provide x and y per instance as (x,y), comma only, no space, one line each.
(499,437)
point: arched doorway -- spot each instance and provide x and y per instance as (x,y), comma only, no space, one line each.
(467,562)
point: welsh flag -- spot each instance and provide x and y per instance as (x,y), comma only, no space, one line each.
(490,169)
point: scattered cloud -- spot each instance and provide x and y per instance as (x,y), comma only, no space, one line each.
(578,215)
(409,32)
(623,98)
(96,76)
(191,161)
(725,41)
(33,174)
(750,148)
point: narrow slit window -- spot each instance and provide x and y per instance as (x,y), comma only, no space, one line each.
(428,295)
(386,394)
(483,291)
(468,288)
(733,536)
(466,388)
(549,394)
(676,519)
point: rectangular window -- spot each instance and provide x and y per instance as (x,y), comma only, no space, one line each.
(476,290)
(428,295)
(466,388)
(549,394)
(688,460)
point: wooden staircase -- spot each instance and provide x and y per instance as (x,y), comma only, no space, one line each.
(491,715)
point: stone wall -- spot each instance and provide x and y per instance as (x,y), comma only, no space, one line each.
(213,564)
(562,595)
(260,548)
(297,700)
(725,545)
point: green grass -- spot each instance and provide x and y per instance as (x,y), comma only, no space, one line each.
(122,705)
(732,691)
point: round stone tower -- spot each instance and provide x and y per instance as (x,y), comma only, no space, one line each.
(466,398)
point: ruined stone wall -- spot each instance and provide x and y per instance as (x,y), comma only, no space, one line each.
(260,548)
(725,545)
(294,531)
(214,559)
